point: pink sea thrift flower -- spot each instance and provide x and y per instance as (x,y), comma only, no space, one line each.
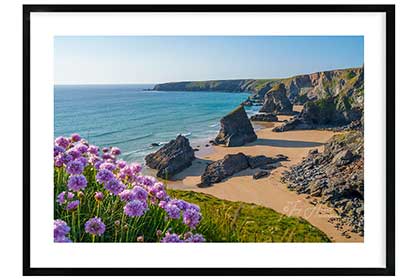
(62,142)
(107,165)
(114,186)
(95,226)
(64,197)
(115,151)
(93,150)
(104,175)
(135,208)
(121,164)
(77,183)
(171,238)
(75,137)
(99,196)
(72,205)
(61,229)
(75,167)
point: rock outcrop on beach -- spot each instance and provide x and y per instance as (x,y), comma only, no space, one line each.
(259,161)
(299,89)
(233,163)
(219,170)
(172,158)
(260,174)
(235,129)
(334,177)
(264,118)
(327,112)
(276,101)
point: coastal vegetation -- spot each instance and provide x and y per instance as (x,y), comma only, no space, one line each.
(99,198)
(234,221)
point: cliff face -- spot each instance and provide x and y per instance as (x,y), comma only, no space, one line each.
(299,89)
(334,177)
(276,101)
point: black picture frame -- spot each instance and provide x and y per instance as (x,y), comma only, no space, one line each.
(389,10)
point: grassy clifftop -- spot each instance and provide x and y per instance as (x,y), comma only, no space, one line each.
(227,221)
(299,88)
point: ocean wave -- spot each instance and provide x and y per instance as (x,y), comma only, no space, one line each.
(214,125)
(130,140)
(107,133)
(186,134)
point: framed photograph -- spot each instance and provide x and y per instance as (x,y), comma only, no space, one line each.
(208,139)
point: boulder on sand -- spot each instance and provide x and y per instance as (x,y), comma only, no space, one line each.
(217,171)
(276,102)
(172,158)
(236,129)
(260,174)
(261,160)
(264,118)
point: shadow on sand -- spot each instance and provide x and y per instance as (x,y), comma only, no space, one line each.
(196,169)
(284,143)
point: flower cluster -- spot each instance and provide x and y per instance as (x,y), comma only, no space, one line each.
(91,173)
(186,238)
(95,226)
(61,229)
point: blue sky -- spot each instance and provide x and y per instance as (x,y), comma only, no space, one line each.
(156,59)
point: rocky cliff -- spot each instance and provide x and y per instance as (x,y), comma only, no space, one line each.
(334,177)
(276,101)
(299,89)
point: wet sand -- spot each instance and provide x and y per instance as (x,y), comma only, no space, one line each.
(268,191)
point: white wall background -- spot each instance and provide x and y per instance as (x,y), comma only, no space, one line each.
(407,134)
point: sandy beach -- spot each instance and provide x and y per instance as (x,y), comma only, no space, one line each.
(269,191)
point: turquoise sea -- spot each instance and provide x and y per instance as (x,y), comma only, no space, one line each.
(131,118)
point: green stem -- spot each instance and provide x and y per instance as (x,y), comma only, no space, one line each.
(127,234)
(98,207)
(73,225)
(78,219)
(122,227)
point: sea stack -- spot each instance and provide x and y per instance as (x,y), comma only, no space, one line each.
(276,101)
(172,158)
(236,129)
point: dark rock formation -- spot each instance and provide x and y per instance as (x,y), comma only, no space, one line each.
(172,158)
(335,177)
(247,102)
(294,123)
(324,113)
(217,171)
(260,174)
(258,161)
(343,158)
(264,118)
(276,101)
(236,129)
